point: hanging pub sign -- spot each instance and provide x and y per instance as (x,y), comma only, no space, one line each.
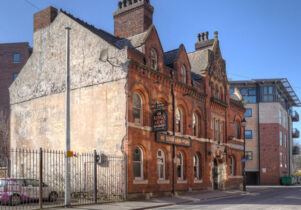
(168,139)
(160,121)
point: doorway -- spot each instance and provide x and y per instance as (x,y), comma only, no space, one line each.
(215,175)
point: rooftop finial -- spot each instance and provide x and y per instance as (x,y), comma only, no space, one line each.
(216,35)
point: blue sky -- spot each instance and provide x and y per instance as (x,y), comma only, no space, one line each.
(259,38)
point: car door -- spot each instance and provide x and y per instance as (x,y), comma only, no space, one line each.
(32,188)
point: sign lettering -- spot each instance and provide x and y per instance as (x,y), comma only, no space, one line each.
(168,139)
(160,121)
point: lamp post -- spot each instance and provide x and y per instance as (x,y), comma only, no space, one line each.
(243,124)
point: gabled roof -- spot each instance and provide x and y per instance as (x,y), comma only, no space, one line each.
(101,33)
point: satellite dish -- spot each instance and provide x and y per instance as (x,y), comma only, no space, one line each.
(103,55)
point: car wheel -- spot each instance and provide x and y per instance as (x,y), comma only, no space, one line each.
(15,200)
(53,196)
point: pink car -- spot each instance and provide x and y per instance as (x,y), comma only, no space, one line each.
(15,191)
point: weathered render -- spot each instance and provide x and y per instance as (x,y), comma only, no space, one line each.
(98,98)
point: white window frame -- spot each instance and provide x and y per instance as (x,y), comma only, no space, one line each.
(179,121)
(183,74)
(281,138)
(182,166)
(195,124)
(141,164)
(196,163)
(160,164)
(154,59)
(141,108)
(281,159)
(232,166)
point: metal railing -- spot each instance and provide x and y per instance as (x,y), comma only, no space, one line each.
(295,116)
(36,179)
(296,133)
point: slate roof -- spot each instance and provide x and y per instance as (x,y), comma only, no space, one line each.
(198,60)
(101,33)
(170,56)
(195,76)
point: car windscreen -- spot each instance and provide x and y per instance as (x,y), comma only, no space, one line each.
(3,183)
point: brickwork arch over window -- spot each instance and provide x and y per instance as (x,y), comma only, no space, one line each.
(161,164)
(180,166)
(179,120)
(137,108)
(183,74)
(154,59)
(138,163)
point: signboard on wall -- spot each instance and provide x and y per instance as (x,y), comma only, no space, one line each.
(168,139)
(160,121)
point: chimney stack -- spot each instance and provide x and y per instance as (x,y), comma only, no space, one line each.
(44,18)
(132,17)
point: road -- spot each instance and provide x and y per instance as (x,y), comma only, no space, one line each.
(273,198)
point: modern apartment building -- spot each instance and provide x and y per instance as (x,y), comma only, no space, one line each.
(13,56)
(269,132)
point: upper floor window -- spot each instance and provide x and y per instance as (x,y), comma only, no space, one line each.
(179,120)
(281,159)
(195,124)
(15,75)
(281,138)
(154,59)
(268,93)
(285,141)
(161,164)
(183,74)
(248,112)
(231,91)
(138,163)
(248,134)
(180,171)
(16,58)
(221,125)
(249,95)
(237,130)
(280,117)
(249,155)
(137,108)
(196,168)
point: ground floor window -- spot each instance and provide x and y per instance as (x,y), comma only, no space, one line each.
(196,168)
(138,163)
(161,164)
(180,166)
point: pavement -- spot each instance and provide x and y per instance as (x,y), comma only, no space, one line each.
(170,202)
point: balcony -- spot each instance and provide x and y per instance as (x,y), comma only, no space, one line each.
(295,116)
(296,150)
(296,133)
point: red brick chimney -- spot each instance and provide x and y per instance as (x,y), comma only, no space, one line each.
(44,18)
(132,17)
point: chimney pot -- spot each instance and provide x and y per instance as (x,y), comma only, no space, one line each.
(199,37)
(130,2)
(203,36)
(124,3)
(207,35)
(120,5)
(216,35)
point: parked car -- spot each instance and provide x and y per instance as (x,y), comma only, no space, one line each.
(15,191)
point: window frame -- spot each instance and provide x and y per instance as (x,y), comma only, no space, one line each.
(281,159)
(183,74)
(249,155)
(232,166)
(196,167)
(179,122)
(161,164)
(237,129)
(15,60)
(195,124)
(281,138)
(140,163)
(249,136)
(251,111)
(268,94)
(140,122)
(181,164)
(154,59)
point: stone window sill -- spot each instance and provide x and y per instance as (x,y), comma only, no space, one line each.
(140,181)
(235,177)
(182,181)
(198,181)
(163,181)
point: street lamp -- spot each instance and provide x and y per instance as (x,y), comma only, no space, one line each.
(243,124)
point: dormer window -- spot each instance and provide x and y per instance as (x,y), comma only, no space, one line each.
(154,59)
(183,74)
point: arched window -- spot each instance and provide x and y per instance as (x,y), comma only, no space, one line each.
(161,164)
(183,74)
(232,166)
(196,165)
(237,132)
(138,163)
(137,108)
(179,120)
(195,124)
(180,172)
(154,59)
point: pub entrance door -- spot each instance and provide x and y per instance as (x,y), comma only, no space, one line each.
(215,175)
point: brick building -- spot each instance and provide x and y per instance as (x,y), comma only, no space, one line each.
(269,130)
(120,86)
(13,56)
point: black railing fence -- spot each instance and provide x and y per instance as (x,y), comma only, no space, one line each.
(34,179)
